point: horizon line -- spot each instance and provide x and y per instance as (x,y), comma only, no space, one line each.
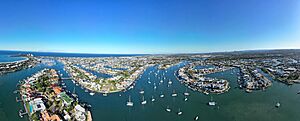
(226,51)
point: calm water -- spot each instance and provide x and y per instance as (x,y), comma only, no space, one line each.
(236,105)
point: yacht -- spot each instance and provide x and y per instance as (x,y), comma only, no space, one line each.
(129,103)
(196,118)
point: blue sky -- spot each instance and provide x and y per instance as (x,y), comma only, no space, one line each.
(148,26)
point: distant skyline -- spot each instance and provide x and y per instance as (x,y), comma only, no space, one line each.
(148,26)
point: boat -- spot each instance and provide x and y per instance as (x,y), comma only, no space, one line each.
(144,101)
(105,94)
(152,99)
(86,91)
(186,93)
(248,90)
(205,92)
(162,95)
(168,109)
(129,103)
(185,99)
(179,112)
(154,87)
(92,93)
(196,118)
(142,92)
(211,102)
(174,94)
(170,82)
(161,81)
(277,105)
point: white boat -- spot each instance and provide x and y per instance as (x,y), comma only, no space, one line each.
(129,103)
(154,87)
(152,99)
(277,105)
(161,81)
(92,93)
(170,82)
(144,101)
(205,92)
(105,94)
(168,109)
(211,102)
(174,94)
(179,112)
(142,92)
(185,99)
(196,118)
(186,93)
(162,95)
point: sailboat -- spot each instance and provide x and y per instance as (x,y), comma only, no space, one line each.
(186,93)
(142,91)
(174,94)
(162,95)
(185,98)
(168,109)
(277,105)
(129,103)
(152,99)
(211,102)
(144,101)
(179,112)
